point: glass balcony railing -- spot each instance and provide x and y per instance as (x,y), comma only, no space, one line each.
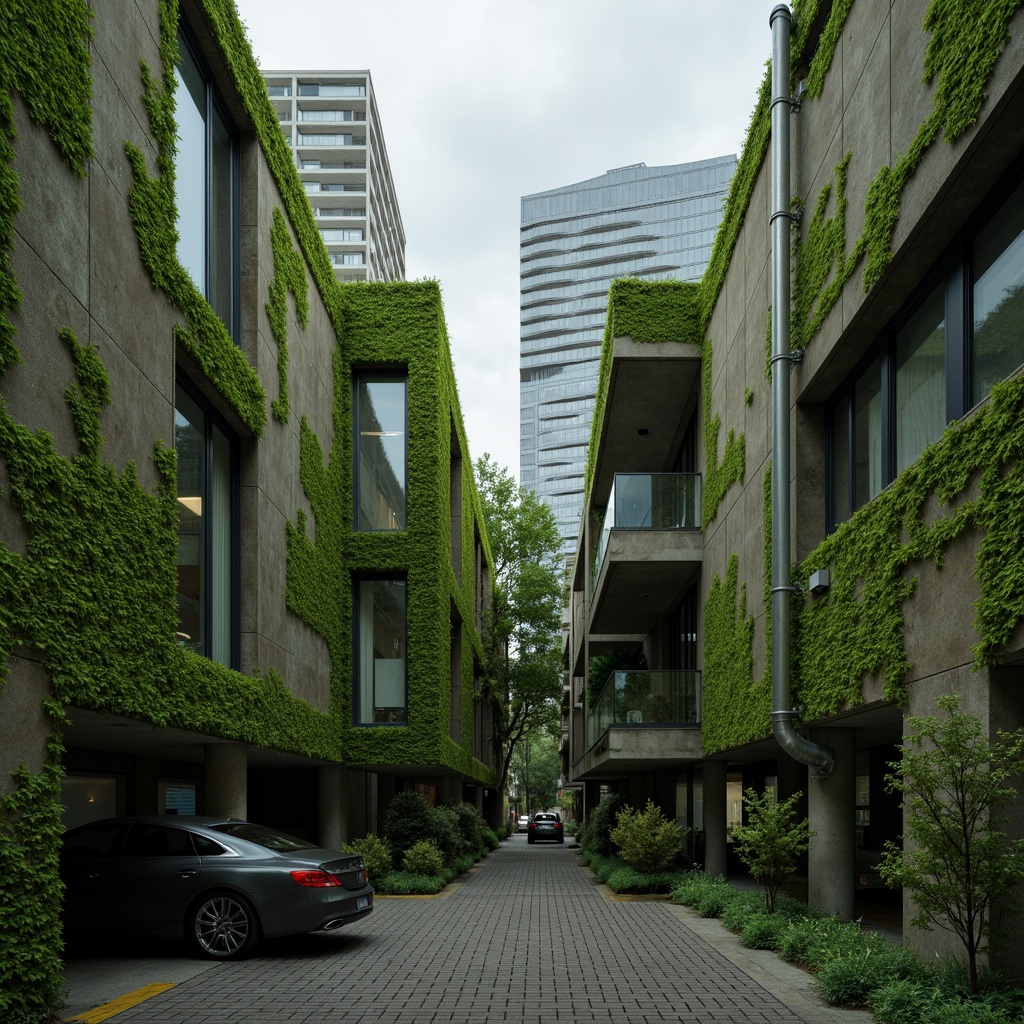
(644,697)
(650,501)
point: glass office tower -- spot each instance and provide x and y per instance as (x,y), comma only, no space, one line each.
(636,221)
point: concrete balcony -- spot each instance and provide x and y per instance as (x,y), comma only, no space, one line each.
(648,554)
(643,720)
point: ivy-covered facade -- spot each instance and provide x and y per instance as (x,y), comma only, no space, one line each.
(243,568)
(906,420)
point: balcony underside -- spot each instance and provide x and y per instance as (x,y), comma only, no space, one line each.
(644,575)
(626,749)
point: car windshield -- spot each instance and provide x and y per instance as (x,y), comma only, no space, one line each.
(279,842)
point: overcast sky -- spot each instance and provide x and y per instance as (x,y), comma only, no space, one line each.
(485,101)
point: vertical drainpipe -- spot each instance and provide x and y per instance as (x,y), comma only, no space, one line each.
(819,759)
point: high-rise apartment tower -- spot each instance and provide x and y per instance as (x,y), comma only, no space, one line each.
(330,119)
(637,221)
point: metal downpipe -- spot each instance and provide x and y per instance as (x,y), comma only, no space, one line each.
(819,759)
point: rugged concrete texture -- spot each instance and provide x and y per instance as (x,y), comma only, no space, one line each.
(528,936)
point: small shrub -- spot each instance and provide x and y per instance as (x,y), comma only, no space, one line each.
(402,883)
(490,838)
(446,833)
(624,879)
(967,1013)
(741,909)
(407,820)
(647,840)
(814,940)
(470,824)
(699,890)
(375,852)
(596,836)
(902,1002)
(850,977)
(423,858)
(764,931)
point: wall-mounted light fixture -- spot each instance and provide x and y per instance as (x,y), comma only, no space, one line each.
(819,582)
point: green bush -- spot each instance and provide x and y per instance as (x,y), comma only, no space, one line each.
(490,838)
(423,858)
(624,879)
(596,836)
(698,889)
(470,824)
(814,940)
(902,1002)
(850,977)
(762,931)
(407,820)
(742,907)
(375,853)
(446,833)
(402,883)
(647,840)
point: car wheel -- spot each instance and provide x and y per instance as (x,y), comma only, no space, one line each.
(222,926)
(529,839)
(561,842)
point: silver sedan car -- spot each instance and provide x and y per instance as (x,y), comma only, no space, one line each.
(221,883)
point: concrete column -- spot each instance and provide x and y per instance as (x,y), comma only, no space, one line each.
(226,766)
(714,817)
(831,806)
(331,806)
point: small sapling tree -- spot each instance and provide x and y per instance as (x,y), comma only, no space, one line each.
(956,785)
(771,841)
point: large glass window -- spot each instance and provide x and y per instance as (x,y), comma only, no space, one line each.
(380,655)
(921,380)
(380,404)
(207,485)
(942,357)
(999,296)
(867,430)
(206,178)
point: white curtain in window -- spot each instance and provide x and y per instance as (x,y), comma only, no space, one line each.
(920,380)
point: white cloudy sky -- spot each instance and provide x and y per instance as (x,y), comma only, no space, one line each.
(485,101)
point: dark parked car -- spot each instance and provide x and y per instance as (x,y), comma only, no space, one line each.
(545,826)
(221,883)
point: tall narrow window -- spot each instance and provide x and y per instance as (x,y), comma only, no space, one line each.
(999,296)
(206,178)
(867,426)
(380,641)
(207,589)
(921,379)
(380,452)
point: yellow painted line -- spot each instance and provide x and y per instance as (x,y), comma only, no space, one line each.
(122,1003)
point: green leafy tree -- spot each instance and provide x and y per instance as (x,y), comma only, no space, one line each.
(771,840)
(956,785)
(536,765)
(523,633)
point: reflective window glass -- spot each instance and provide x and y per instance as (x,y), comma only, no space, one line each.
(381,453)
(381,652)
(867,427)
(999,296)
(207,589)
(921,379)
(206,170)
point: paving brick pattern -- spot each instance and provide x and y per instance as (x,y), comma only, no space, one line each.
(528,937)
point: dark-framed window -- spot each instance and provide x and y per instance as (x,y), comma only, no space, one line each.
(208,529)
(381,450)
(206,170)
(961,332)
(380,618)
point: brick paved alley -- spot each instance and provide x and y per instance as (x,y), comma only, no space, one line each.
(528,936)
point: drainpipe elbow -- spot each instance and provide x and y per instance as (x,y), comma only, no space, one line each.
(820,760)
